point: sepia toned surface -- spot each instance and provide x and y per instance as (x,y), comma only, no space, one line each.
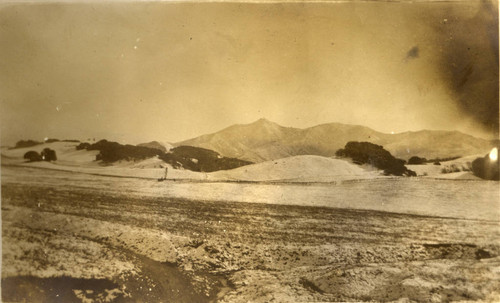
(245,181)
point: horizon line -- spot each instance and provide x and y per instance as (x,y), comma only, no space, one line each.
(261,119)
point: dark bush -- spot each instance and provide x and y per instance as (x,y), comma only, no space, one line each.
(48,154)
(50,140)
(486,168)
(26,143)
(32,156)
(417,160)
(375,155)
(443,159)
(188,157)
(83,145)
(200,159)
(437,163)
(114,151)
(154,144)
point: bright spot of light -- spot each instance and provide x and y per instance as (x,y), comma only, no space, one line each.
(45,139)
(494,154)
(392,133)
(135,46)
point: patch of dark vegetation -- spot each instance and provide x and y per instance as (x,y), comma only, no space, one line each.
(51,140)
(58,289)
(310,285)
(443,159)
(154,144)
(83,145)
(32,156)
(417,160)
(200,159)
(486,168)
(375,155)
(455,168)
(47,154)
(71,140)
(113,151)
(187,157)
(26,143)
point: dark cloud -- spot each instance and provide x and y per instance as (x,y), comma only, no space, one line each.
(413,53)
(469,64)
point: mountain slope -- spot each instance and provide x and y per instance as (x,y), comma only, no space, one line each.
(265,140)
(259,141)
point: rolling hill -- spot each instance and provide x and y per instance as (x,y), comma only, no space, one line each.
(265,140)
(297,169)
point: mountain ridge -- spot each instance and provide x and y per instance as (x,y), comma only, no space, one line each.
(264,140)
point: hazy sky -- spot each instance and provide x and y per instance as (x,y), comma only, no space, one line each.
(136,72)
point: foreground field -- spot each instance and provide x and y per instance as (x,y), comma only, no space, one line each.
(65,241)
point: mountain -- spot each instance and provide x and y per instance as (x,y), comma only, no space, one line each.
(264,140)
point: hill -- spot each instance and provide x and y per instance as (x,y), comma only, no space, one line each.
(66,152)
(187,157)
(297,169)
(265,140)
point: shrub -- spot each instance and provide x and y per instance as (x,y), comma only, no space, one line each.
(114,151)
(50,140)
(375,155)
(200,159)
(32,156)
(48,154)
(417,160)
(486,168)
(26,143)
(444,159)
(83,145)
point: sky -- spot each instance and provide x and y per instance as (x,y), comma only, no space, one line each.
(139,71)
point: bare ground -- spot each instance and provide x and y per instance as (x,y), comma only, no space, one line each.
(68,244)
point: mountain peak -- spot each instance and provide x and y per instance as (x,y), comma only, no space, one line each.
(263,121)
(266,140)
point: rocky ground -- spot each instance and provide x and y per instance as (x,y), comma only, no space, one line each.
(70,244)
